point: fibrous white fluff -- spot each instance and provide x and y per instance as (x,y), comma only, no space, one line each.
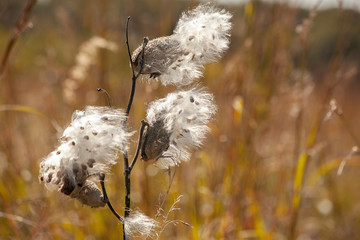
(139,224)
(200,37)
(178,124)
(89,145)
(205,32)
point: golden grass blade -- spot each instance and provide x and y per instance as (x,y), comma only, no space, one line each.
(259,223)
(26,109)
(21,108)
(299,176)
(329,166)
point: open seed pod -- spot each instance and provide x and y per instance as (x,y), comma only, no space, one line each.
(89,194)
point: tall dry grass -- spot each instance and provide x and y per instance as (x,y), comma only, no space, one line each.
(267,171)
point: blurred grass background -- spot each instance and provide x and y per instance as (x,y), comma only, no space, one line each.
(268,170)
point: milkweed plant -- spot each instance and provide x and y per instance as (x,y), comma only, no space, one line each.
(174,125)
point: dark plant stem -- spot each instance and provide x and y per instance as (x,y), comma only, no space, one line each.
(135,77)
(106,199)
(107,95)
(128,46)
(140,143)
(21,25)
(127,190)
(127,169)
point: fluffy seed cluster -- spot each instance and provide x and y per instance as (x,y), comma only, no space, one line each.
(139,224)
(204,31)
(200,37)
(178,124)
(89,145)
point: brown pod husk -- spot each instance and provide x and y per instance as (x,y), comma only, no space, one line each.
(156,141)
(89,194)
(159,54)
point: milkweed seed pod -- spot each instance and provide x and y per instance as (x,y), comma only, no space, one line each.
(89,145)
(200,37)
(156,141)
(177,125)
(89,194)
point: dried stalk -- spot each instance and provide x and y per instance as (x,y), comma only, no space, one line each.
(21,25)
(127,168)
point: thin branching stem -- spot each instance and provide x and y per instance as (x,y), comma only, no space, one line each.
(140,143)
(171,179)
(107,95)
(162,201)
(106,199)
(127,169)
(135,77)
(128,46)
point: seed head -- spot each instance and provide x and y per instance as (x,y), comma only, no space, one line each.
(200,37)
(178,124)
(89,145)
